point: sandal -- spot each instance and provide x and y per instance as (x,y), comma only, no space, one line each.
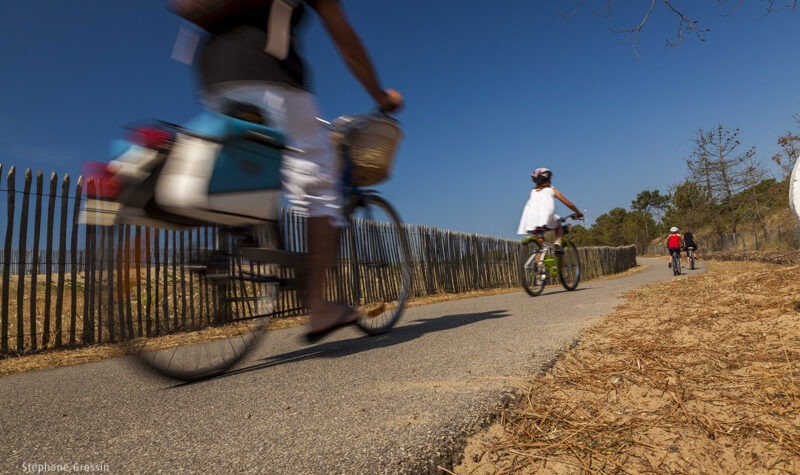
(316,335)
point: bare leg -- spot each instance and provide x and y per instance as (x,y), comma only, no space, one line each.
(322,245)
(559,234)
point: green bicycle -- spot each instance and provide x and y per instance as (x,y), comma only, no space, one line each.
(545,262)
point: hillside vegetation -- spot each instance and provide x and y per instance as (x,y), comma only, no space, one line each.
(728,200)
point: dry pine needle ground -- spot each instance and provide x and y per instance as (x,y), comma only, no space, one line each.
(699,374)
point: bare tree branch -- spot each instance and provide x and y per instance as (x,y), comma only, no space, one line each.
(636,31)
(574,10)
(733,9)
(686,24)
(787,5)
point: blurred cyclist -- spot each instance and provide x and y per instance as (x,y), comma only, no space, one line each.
(251,56)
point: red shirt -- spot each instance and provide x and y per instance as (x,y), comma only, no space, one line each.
(674,240)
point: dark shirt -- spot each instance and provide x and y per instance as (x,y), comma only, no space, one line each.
(688,240)
(234,51)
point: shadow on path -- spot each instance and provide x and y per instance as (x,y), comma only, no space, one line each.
(335,349)
(559,290)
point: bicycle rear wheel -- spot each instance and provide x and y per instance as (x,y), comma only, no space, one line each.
(691,260)
(377,256)
(676,264)
(241,293)
(532,272)
(570,267)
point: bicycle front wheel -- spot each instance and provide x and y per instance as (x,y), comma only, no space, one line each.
(241,293)
(570,268)
(378,258)
(532,272)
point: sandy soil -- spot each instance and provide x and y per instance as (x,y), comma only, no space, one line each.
(700,374)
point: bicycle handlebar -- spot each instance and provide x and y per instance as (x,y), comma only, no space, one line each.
(572,217)
(341,128)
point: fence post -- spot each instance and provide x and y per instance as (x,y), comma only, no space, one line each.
(48,257)
(62,251)
(137,257)
(74,255)
(90,259)
(37,229)
(7,261)
(148,288)
(23,255)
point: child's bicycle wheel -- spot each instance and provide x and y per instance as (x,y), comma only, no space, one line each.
(532,272)
(570,267)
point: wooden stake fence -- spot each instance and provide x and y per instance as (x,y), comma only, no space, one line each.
(82,285)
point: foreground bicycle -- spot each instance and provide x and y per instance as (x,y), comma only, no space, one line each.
(251,260)
(541,260)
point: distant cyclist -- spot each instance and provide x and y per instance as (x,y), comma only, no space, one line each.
(689,243)
(674,245)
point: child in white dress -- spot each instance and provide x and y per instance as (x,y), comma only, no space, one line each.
(540,210)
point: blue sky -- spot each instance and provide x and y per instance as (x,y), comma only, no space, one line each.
(493,90)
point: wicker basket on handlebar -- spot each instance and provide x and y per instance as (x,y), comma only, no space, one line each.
(372,142)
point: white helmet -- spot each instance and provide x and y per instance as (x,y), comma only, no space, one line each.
(673,229)
(540,176)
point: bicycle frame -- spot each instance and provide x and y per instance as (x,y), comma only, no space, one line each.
(547,257)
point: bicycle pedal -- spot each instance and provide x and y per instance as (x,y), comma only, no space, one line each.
(374,312)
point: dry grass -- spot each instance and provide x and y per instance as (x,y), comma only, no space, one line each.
(79,292)
(695,375)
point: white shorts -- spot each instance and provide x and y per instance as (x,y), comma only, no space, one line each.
(311,178)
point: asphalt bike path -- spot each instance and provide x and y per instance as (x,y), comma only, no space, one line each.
(399,403)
